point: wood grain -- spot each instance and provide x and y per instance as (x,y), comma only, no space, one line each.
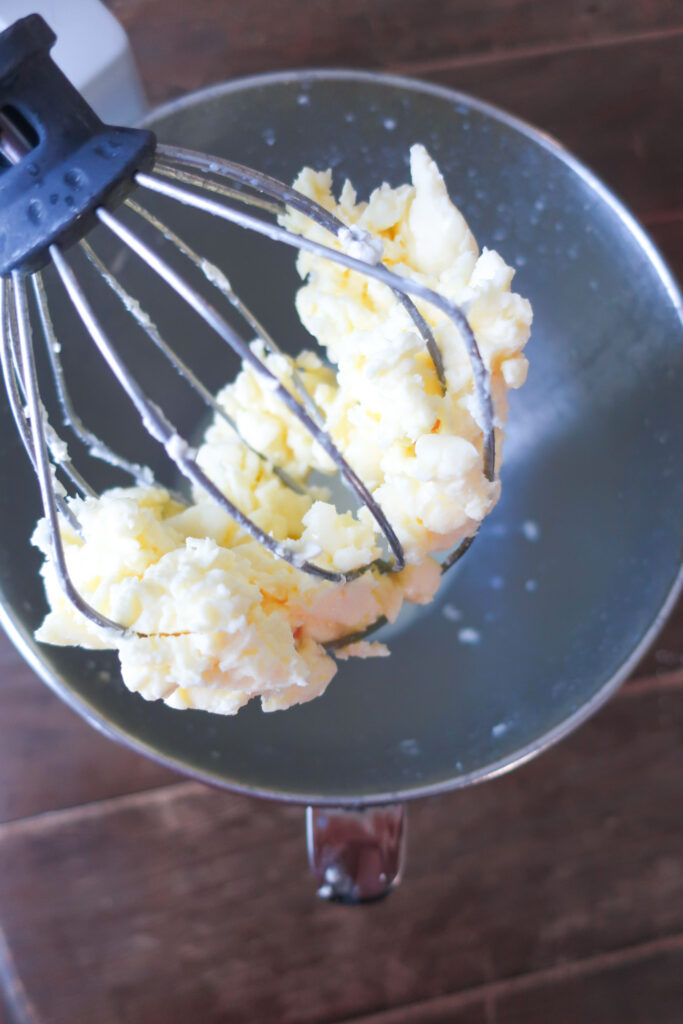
(553,894)
(628,989)
(608,989)
(615,101)
(185,46)
(185,903)
(617,107)
(446,1010)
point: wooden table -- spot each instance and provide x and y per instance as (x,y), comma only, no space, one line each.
(555,894)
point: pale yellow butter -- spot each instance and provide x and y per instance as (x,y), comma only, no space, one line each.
(214,618)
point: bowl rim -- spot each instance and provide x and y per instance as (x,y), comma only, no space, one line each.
(28,647)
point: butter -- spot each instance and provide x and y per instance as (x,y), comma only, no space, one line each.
(214,619)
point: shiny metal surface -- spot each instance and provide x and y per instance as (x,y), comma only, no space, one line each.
(356,854)
(572,572)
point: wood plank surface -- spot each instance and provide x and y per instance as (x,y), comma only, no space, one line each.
(187,904)
(626,989)
(607,989)
(617,107)
(553,895)
(631,87)
(185,46)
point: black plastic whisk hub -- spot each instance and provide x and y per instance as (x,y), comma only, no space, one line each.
(58,160)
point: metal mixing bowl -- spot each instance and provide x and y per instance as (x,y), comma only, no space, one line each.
(576,567)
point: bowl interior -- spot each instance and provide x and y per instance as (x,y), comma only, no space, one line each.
(570,572)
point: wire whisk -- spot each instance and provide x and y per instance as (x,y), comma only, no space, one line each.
(62,172)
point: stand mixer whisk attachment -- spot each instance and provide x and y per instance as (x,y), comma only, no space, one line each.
(62,173)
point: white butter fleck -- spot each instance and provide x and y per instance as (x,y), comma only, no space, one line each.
(361,245)
(531,530)
(177,448)
(450,612)
(214,275)
(410,747)
(468,635)
(58,448)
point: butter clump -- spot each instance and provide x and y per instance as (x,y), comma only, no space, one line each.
(213,618)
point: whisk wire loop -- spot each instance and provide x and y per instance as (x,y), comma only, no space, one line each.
(217,278)
(93,168)
(247,178)
(40,439)
(161,428)
(284,196)
(211,316)
(44,469)
(97,448)
(378,272)
(10,358)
